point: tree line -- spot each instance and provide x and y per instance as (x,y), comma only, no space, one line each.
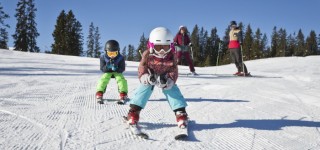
(208,47)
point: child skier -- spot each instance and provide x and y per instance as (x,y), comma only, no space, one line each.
(113,65)
(183,44)
(158,68)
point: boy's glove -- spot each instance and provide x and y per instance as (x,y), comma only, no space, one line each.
(114,68)
(190,44)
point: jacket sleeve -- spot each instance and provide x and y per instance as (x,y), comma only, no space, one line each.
(188,39)
(122,65)
(103,64)
(175,40)
(173,72)
(143,66)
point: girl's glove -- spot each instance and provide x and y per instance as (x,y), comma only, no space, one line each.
(169,84)
(162,81)
(147,79)
(152,79)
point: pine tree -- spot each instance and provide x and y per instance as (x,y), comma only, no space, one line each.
(130,56)
(216,45)
(32,32)
(291,44)
(247,51)
(311,44)
(196,45)
(274,42)
(300,49)
(225,54)
(68,39)
(204,48)
(264,48)
(124,53)
(282,46)
(3,32)
(60,35)
(90,41)
(142,46)
(97,44)
(74,36)
(26,31)
(256,45)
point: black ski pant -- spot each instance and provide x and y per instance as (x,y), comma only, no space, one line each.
(236,55)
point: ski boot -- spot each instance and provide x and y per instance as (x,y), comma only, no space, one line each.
(194,73)
(133,117)
(132,120)
(99,96)
(237,73)
(123,98)
(182,119)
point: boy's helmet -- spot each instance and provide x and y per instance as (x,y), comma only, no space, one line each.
(160,36)
(112,46)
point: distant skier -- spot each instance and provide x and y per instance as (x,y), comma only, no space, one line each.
(158,68)
(113,65)
(183,45)
(235,41)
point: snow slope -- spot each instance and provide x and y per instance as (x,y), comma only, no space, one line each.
(48,102)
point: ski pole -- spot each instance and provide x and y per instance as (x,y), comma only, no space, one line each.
(140,53)
(191,52)
(244,74)
(217,63)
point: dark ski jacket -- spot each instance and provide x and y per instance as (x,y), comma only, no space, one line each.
(178,39)
(117,63)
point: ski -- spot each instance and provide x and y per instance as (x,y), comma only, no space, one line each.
(243,75)
(117,101)
(192,74)
(135,129)
(182,134)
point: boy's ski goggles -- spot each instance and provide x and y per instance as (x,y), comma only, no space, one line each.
(112,54)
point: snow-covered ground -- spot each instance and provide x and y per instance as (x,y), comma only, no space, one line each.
(48,102)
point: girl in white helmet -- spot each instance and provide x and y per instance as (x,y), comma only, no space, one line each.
(158,68)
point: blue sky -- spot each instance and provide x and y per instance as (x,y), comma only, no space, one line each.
(127,20)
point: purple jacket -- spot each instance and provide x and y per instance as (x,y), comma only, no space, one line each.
(178,39)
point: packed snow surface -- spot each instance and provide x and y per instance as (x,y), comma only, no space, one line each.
(48,102)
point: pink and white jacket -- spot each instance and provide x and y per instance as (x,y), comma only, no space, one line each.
(166,65)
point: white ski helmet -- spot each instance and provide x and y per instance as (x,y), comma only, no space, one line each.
(160,36)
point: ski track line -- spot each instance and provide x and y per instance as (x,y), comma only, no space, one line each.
(306,109)
(34,137)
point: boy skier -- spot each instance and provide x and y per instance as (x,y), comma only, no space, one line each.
(113,65)
(158,68)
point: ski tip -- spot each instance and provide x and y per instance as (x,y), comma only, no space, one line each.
(181,137)
(143,135)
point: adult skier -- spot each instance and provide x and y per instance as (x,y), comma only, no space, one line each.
(183,45)
(113,65)
(235,48)
(158,68)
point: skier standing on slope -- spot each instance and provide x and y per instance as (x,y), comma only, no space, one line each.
(158,68)
(113,65)
(235,44)
(183,45)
